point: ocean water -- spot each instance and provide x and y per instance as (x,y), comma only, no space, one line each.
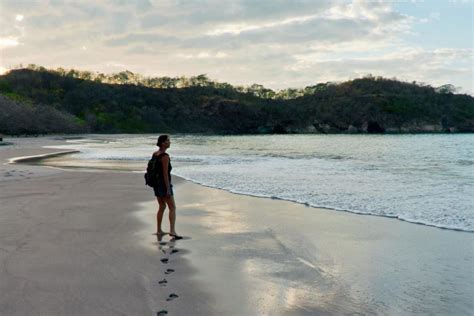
(424,179)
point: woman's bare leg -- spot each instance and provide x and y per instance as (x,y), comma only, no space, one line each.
(172,214)
(159,215)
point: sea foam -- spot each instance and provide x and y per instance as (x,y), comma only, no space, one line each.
(424,179)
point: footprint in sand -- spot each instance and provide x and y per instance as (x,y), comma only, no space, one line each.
(164,260)
(163,282)
(168,271)
(172,296)
(162,313)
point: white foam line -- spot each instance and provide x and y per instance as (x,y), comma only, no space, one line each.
(329,207)
(309,264)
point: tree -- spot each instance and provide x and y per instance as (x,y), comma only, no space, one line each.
(447,88)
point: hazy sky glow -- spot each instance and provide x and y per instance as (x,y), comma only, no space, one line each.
(276,43)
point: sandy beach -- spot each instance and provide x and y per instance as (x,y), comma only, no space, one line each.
(80,242)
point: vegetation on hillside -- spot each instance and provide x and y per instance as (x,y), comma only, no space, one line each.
(202,80)
(128,103)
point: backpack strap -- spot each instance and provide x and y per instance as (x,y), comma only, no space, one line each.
(158,156)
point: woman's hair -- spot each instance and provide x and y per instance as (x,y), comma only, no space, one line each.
(161,140)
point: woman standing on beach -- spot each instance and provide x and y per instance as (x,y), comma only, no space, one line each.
(164,188)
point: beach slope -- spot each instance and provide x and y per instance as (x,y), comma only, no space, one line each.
(81,243)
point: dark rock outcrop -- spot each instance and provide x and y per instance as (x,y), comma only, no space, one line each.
(374,127)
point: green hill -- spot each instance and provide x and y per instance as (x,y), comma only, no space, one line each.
(71,102)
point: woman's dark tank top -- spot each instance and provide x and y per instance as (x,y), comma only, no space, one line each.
(161,179)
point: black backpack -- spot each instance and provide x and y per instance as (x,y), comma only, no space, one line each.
(151,175)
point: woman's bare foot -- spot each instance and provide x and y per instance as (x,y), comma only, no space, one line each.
(160,233)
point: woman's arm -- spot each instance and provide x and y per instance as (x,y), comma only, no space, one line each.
(165,160)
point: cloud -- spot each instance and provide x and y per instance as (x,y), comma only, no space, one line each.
(276,43)
(203,55)
(142,38)
(236,29)
(115,64)
(8,42)
(436,67)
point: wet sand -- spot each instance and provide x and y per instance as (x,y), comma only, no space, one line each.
(81,243)
(70,245)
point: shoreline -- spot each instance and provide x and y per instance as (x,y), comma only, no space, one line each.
(281,258)
(391,132)
(39,158)
(354,212)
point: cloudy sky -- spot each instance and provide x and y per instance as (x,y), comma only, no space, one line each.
(276,43)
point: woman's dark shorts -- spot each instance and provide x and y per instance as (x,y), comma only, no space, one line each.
(160,191)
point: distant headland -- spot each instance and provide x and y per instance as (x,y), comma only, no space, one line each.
(36,100)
